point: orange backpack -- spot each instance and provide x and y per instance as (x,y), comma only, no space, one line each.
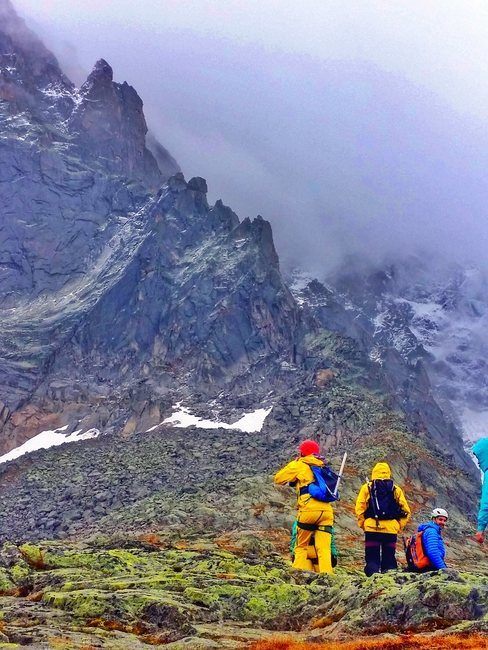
(415,554)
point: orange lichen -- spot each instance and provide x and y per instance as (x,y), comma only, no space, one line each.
(108,624)
(402,642)
(181,545)
(150,538)
(15,591)
(349,507)
(226,544)
(258,509)
(35,596)
(138,629)
(325,621)
(350,470)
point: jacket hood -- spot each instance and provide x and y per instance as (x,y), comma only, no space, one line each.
(480,450)
(312,460)
(429,524)
(381,470)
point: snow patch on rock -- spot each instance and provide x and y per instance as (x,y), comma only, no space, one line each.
(49,438)
(248,423)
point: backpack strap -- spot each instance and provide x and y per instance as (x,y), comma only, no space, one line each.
(370,511)
(305,489)
(401,513)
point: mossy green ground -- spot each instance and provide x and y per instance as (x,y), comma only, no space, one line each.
(199,595)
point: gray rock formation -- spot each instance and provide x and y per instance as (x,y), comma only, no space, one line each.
(72,164)
(110,289)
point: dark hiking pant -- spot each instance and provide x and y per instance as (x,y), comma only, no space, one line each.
(379,552)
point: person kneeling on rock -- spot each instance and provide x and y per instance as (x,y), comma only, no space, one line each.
(382,512)
(432,542)
(314,517)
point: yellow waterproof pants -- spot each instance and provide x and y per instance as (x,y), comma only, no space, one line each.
(322,542)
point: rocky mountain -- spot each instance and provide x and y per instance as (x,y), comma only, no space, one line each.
(432,312)
(126,297)
(125,292)
(149,288)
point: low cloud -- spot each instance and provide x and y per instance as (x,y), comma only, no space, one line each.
(342,154)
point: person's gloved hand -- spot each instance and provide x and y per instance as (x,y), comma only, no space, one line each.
(479,537)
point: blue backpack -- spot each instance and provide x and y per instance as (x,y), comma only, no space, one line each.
(323,486)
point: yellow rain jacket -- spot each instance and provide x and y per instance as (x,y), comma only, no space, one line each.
(371,525)
(310,512)
(299,472)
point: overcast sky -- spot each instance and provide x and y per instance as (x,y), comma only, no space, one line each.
(353,126)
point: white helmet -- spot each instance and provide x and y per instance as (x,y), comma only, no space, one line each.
(439,512)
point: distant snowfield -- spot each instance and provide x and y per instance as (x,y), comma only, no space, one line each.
(47,439)
(249,422)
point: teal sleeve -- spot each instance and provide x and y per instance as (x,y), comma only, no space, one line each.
(483,511)
(333,546)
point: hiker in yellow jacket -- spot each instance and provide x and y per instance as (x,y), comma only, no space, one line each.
(313,516)
(382,512)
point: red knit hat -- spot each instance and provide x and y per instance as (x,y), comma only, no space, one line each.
(309,447)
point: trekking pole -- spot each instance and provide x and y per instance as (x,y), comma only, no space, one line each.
(341,471)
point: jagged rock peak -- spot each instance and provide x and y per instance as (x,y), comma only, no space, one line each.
(223,214)
(105,120)
(175,183)
(259,230)
(198,184)
(102,73)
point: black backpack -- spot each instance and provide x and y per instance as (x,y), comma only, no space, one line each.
(382,502)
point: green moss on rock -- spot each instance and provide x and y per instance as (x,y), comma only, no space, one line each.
(271,600)
(164,594)
(33,555)
(200,597)
(85,603)
(6,583)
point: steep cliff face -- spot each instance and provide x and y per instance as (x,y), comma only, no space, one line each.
(106,285)
(70,162)
(356,305)
(198,299)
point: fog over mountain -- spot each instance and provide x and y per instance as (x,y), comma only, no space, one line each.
(354,130)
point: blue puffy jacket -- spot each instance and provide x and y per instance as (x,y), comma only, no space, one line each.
(433,544)
(480,450)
